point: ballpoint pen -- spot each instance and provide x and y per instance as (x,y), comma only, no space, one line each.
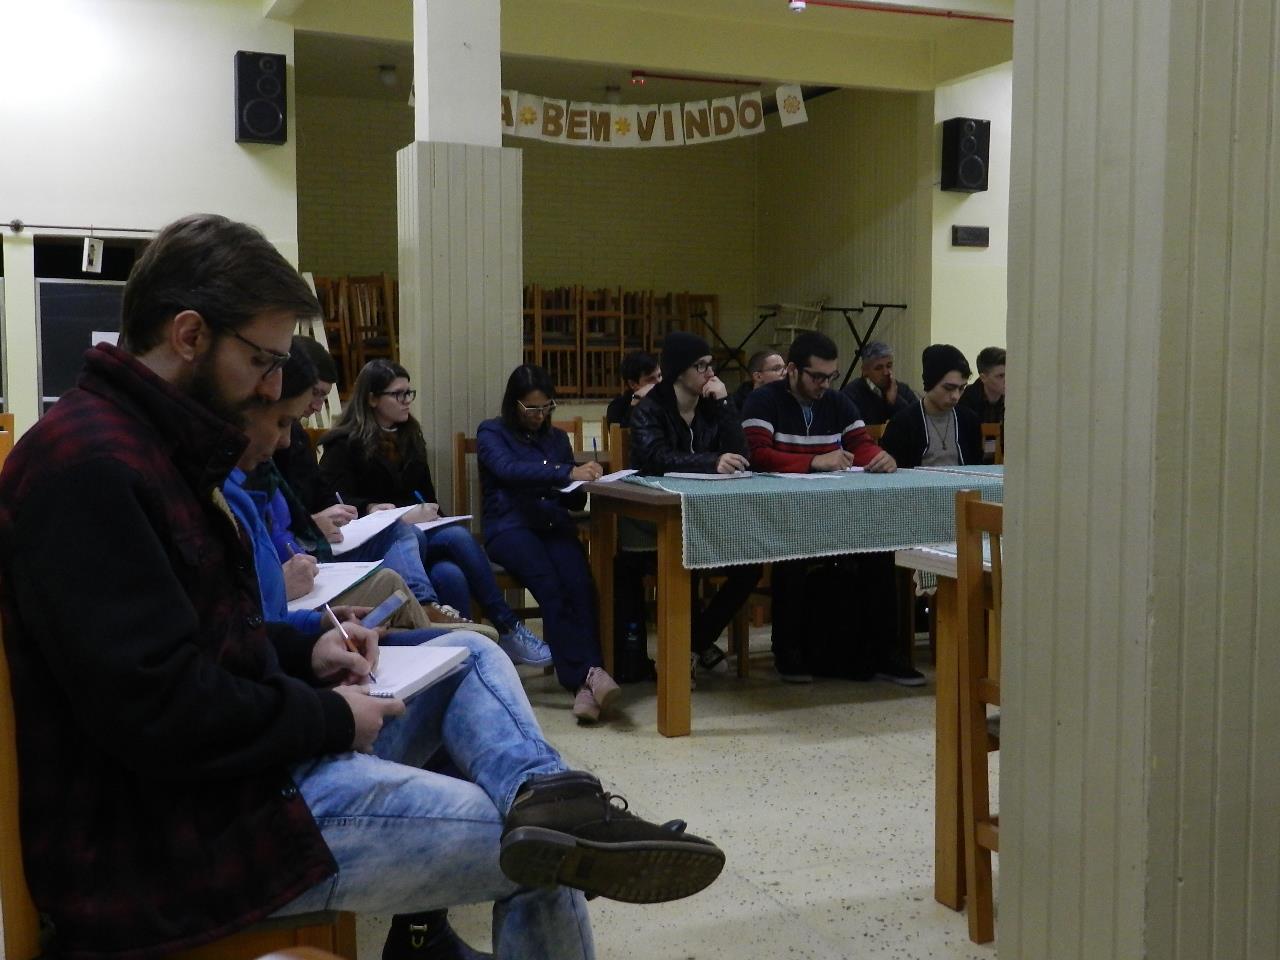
(351,644)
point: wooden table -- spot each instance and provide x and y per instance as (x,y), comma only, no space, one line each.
(608,502)
(948,838)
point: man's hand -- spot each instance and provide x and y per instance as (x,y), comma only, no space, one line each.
(345,613)
(641,392)
(839,459)
(299,575)
(332,662)
(330,519)
(891,391)
(422,513)
(714,389)
(732,463)
(881,463)
(369,713)
(587,471)
(375,507)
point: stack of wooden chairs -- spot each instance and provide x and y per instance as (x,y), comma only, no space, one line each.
(361,321)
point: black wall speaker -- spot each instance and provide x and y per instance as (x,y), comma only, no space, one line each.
(966,151)
(261,111)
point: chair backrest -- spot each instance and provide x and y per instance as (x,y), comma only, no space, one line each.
(619,447)
(979,593)
(573,428)
(371,302)
(875,431)
(17,912)
(313,436)
(6,444)
(466,479)
(604,434)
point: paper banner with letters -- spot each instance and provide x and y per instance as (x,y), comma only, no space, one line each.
(584,124)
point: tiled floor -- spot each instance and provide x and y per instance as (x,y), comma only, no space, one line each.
(821,797)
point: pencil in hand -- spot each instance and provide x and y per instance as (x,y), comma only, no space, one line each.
(346,637)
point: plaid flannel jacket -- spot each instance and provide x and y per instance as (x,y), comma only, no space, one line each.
(156,716)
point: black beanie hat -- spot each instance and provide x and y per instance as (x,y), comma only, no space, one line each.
(939,359)
(680,351)
(318,355)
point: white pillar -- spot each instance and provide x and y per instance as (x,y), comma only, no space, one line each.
(1140,781)
(21,358)
(460,204)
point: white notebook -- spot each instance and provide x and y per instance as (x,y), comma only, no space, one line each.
(404,671)
(365,528)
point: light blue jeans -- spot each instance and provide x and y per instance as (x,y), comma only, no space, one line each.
(407,840)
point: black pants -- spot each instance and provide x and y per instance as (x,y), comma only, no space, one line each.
(705,623)
(838,615)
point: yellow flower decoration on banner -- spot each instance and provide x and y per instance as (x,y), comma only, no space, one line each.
(791,104)
(622,125)
(528,115)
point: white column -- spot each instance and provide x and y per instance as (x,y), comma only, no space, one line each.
(460,201)
(1139,778)
(21,359)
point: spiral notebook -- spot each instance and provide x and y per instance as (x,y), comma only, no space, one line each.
(404,671)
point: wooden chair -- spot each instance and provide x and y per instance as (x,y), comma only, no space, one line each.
(332,293)
(335,932)
(464,447)
(573,428)
(978,653)
(371,304)
(7,436)
(740,627)
(875,431)
(993,441)
(313,437)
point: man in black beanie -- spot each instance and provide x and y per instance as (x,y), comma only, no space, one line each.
(936,432)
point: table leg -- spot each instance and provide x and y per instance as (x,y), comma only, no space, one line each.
(673,628)
(948,840)
(604,544)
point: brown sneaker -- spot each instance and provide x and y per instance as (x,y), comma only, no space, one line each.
(445,617)
(602,687)
(585,707)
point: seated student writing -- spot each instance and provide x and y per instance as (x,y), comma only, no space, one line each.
(639,375)
(524,461)
(687,424)
(936,431)
(800,425)
(375,457)
(187,769)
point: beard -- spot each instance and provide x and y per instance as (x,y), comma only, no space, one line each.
(202,386)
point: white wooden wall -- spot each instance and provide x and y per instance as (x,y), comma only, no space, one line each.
(460,283)
(1140,780)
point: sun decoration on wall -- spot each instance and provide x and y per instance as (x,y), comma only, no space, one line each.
(528,115)
(791,104)
(622,125)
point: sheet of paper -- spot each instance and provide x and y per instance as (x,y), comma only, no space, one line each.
(737,475)
(360,530)
(331,580)
(441,522)
(607,478)
(404,671)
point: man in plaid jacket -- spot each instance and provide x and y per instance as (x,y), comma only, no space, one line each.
(186,769)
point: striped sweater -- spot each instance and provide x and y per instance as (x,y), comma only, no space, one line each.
(779,440)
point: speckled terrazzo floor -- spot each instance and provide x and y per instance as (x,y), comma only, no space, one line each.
(821,797)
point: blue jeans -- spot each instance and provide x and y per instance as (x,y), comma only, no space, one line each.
(407,840)
(454,557)
(397,548)
(554,567)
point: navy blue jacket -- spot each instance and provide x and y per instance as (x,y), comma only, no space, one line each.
(520,479)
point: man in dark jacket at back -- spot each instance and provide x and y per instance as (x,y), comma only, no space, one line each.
(687,424)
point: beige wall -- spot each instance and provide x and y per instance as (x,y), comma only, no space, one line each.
(679,218)
(844,213)
(347,183)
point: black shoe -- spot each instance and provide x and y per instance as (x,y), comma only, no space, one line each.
(792,667)
(426,936)
(710,658)
(901,674)
(564,829)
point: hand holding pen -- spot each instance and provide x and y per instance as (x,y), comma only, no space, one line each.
(348,633)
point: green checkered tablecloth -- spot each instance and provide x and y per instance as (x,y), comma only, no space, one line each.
(767,518)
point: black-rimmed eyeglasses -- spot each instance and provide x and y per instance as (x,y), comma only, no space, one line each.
(821,378)
(403,396)
(273,362)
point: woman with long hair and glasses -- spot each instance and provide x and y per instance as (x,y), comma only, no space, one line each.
(375,458)
(524,462)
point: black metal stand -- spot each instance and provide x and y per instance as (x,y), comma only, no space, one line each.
(861,339)
(734,352)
